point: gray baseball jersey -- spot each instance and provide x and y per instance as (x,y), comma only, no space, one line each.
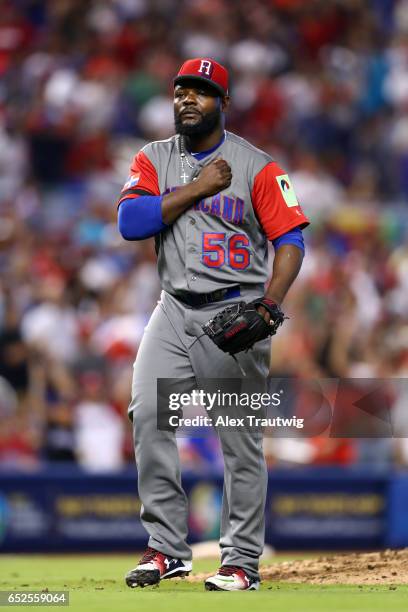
(221,240)
(217,243)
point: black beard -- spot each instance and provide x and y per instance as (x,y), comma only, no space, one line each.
(208,123)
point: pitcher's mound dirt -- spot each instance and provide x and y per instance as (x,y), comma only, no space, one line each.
(386,567)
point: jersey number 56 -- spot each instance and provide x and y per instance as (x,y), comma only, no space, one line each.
(219,251)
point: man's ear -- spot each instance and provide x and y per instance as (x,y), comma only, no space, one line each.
(225,102)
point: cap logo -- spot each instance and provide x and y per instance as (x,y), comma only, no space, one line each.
(206,68)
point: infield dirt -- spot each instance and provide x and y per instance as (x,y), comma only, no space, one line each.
(386,567)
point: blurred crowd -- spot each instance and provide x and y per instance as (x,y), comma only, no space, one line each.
(322,86)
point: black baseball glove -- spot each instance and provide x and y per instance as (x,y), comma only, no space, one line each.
(237,327)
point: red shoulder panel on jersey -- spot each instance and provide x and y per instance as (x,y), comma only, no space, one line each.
(275,203)
(141,180)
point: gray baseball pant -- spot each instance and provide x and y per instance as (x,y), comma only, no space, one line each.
(170,348)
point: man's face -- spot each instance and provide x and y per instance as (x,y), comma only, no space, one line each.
(197,108)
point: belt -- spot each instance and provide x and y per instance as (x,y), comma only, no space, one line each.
(200,299)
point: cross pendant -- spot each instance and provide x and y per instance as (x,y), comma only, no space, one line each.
(184,176)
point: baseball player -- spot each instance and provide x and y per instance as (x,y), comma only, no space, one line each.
(212,201)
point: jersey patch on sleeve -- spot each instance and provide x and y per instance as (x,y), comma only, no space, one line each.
(287,190)
(131,181)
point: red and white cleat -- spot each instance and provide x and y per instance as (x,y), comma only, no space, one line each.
(155,566)
(231,578)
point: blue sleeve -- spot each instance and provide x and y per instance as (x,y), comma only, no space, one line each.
(293,236)
(140,218)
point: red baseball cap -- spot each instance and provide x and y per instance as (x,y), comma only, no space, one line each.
(204,69)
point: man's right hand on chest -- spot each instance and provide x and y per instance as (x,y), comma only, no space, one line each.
(214,177)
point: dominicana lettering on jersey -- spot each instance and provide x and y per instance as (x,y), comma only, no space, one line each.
(230,209)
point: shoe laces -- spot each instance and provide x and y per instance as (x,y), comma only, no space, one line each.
(149,554)
(228,570)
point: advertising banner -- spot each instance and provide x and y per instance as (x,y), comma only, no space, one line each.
(306,509)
